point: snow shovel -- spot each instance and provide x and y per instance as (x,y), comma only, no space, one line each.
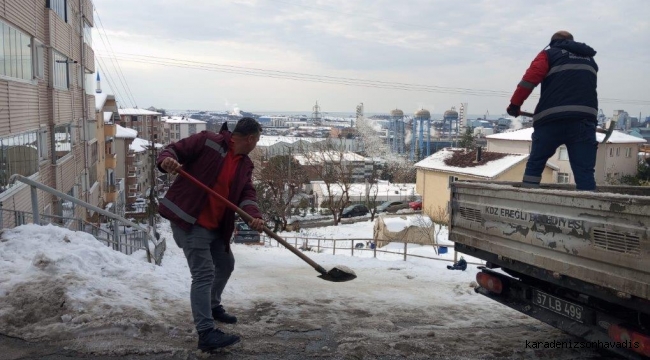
(336,274)
(608,132)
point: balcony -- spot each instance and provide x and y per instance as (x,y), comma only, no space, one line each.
(111,161)
(110,130)
(111,191)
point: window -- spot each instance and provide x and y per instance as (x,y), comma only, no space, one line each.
(611,152)
(43,152)
(192,129)
(88,34)
(38,52)
(93,153)
(15,53)
(61,75)
(59,7)
(562,178)
(564,154)
(618,151)
(62,140)
(92,174)
(18,155)
(628,152)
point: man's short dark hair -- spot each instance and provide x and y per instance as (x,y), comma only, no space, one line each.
(562,35)
(247,126)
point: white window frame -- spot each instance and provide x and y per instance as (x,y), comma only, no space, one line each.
(563,178)
(60,71)
(611,152)
(618,151)
(38,59)
(628,152)
(563,153)
(17,65)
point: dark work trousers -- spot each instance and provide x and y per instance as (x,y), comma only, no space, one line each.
(210,267)
(579,136)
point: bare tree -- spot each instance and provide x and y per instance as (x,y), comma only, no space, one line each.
(329,162)
(277,183)
(372,190)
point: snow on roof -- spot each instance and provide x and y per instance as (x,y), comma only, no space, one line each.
(108,117)
(100,100)
(526,135)
(182,120)
(490,169)
(137,112)
(139,145)
(381,187)
(268,140)
(125,133)
(316,157)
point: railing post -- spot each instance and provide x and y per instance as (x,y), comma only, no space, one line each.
(116,232)
(2,217)
(352,247)
(405,244)
(333,247)
(35,216)
(317,246)
(374,251)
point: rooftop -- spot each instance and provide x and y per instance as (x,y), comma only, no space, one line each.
(181,120)
(458,161)
(526,135)
(137,112)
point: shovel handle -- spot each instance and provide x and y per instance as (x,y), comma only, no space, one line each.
(244,215)
(524,113)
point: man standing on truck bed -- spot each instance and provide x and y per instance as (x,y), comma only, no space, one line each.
(567,109)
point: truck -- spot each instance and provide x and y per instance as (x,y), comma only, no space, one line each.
(578,261)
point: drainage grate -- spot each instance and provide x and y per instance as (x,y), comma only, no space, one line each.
(471,214)
(616,241)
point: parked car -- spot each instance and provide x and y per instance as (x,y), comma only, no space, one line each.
(392,206)
(416,205)
(355,210)
(244,234)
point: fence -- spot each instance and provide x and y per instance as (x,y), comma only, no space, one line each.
(125,240)
(351,246)
(137,238)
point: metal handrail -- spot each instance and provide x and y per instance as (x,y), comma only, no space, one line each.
(35,217)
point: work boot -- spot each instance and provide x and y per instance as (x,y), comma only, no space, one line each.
(213,339)
(219,314)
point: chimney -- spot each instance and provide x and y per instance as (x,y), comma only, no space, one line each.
(478,154)
(99,85)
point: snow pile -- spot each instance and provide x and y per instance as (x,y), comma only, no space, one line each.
(399,223)
(52,281)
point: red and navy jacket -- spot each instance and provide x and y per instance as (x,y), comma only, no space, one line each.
(568,74)
(202,157)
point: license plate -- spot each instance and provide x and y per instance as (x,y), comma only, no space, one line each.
(557,305)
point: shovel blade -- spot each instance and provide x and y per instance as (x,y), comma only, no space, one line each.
(339,273)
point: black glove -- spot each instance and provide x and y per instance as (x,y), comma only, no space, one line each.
(513,110)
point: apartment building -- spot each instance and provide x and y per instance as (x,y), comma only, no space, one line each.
(180,127)
(46,122)
(614,159)
(145,122)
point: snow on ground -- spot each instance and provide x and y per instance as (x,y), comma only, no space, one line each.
(64,286)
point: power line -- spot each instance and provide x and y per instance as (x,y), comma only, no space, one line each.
(120,74)
(251,71)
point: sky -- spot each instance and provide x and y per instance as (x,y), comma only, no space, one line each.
(64,286)
(412,54)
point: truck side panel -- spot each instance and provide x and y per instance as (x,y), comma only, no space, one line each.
(599,238)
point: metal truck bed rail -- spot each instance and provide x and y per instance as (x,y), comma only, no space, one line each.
(602,238)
